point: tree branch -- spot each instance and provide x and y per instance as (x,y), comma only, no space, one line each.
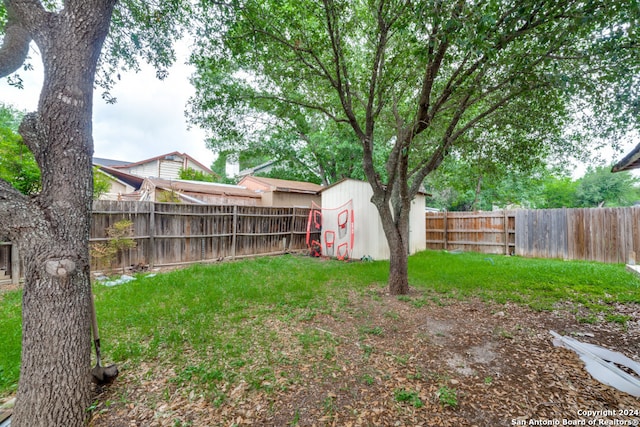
(17,212)
(342,76)
(15,45)
(32,136)
(304,105)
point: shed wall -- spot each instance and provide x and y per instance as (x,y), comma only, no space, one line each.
(369,238)
(417,225)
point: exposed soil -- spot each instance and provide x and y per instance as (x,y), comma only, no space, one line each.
(392,362)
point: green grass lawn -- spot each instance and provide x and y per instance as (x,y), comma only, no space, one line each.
(218,309)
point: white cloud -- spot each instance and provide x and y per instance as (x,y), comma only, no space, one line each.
(148,119)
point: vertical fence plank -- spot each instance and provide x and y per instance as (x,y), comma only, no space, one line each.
(152,234)
(234,237)
(15,265)
(446,230)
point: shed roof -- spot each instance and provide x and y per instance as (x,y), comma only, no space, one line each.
(422,191)
(284,185)
(630,161)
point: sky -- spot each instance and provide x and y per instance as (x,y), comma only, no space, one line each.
(147,121)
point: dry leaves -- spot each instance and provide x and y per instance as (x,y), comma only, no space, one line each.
(385,362)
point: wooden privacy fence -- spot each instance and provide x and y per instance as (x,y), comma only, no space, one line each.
(595,234)
(173,234)
(176,234)
(485,232)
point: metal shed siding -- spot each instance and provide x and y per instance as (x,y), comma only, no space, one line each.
(369,238)
(417,225)
(368,234)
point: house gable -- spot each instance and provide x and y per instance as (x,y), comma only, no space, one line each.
(165,166)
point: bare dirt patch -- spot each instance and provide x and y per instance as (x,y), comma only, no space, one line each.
(384,361)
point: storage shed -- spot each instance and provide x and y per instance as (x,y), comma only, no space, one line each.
(368,235)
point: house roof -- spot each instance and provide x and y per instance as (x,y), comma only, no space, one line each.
(109,162)
(203,187)
(284,185)
(263,167)
(164,156)
(132,180)
(630,161)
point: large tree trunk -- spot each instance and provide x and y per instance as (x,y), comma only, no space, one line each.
(398,270)
(395,224)
(52,230)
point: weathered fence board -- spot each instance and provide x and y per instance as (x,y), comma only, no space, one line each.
(184,234)
(596,234)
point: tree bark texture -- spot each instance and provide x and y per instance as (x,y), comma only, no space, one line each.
(395,223)
(52,229)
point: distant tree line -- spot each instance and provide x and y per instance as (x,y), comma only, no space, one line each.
(459,187)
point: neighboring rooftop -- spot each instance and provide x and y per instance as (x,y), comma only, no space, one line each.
(630,161)
(132,180)
(272,184)
(203,187)
(109,162)
(173,156)
(263,168)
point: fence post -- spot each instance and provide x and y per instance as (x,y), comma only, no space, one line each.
(506,232)
(233,235)
(446,231)
(15,264)
(293,225)
(152,234)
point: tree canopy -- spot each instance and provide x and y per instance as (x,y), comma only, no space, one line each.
(459,186)
(416,82)
(599,187)
(17,164)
